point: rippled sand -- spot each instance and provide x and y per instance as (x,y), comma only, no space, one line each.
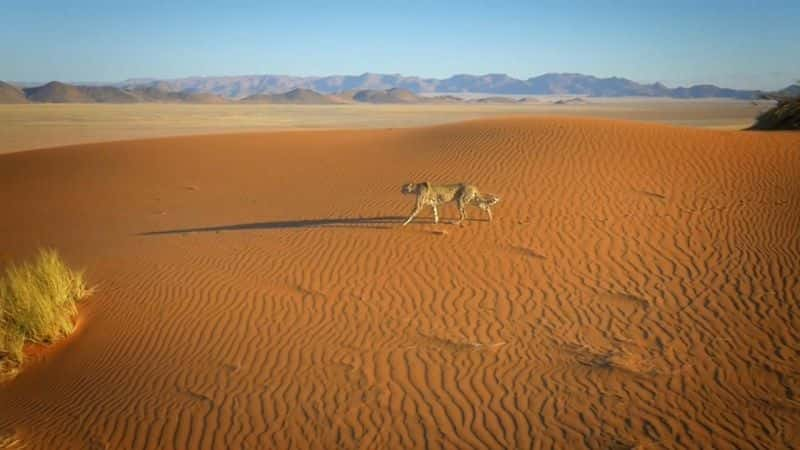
(638,288)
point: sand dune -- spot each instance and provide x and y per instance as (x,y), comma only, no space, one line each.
(638,287)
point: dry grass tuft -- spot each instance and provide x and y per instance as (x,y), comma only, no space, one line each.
(37,303)
(783,116)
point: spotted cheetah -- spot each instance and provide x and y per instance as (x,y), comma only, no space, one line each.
(435,195)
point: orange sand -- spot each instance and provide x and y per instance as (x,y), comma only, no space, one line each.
(639,287)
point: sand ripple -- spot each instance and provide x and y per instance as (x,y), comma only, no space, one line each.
(638,289)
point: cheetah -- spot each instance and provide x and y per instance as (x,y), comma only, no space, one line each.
(436,195)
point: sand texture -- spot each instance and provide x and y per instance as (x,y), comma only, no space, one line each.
(638,288)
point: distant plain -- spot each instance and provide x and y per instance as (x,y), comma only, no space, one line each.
(30,126)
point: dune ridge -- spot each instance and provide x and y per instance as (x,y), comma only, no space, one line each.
(637,288)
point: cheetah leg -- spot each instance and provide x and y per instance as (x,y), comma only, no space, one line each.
(435,214)
(489,212)
(414,213)
(462,214)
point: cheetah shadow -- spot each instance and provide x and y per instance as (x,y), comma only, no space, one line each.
(375,223)
(379,223)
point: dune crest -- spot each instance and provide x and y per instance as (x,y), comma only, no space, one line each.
(636,288)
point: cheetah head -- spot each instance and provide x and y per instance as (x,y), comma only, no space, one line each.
(409,188)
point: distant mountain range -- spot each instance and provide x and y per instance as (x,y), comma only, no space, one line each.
(377,96)
(56,92)
(548,84)
(365,88)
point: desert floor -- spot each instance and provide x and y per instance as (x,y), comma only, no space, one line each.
(30,126)
(638,288)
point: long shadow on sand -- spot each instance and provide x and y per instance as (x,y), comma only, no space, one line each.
(384,222)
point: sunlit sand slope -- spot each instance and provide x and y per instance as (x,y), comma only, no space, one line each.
(638,287)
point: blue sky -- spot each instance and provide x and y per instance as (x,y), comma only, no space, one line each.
(741,44)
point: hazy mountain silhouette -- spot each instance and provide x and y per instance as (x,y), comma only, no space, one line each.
(393,95)
(295,96)
(367,88)
(11,94)
(570,101)
(157,95)
(547,84)
(496,99)
(56,92)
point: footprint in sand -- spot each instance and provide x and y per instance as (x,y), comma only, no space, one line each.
(651,194)
(614,358)
(624,301)
(456,345)
(525,251)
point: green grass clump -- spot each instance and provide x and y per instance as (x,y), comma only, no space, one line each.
(37,303)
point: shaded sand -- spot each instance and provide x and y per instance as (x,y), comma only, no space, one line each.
(638,289)
(24,127)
